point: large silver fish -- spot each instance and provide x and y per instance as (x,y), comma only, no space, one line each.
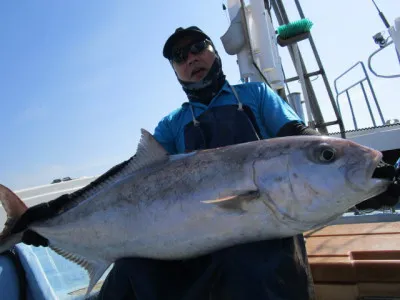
(181,206)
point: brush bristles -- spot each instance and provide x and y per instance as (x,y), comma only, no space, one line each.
(294,28)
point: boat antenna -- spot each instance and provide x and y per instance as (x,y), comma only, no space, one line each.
(382,16)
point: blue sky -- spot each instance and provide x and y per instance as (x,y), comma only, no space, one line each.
(78,79)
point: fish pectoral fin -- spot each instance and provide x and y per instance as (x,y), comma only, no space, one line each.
(235,201)
(95,268)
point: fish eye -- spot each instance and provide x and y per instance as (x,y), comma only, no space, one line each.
(327,154)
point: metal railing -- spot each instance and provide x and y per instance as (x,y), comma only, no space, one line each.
(376,52)
(361,83)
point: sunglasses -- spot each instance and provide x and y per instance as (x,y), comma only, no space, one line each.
(180,55)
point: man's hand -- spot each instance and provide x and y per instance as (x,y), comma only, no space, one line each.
(32,238)
(39,212)
(44,211)
(389,198)
(34,213)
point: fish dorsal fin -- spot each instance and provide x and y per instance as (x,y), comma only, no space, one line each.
(148,152)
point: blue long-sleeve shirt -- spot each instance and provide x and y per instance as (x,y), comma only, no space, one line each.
(271,113)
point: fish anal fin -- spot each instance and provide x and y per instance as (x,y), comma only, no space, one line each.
(235,202)
(95,268)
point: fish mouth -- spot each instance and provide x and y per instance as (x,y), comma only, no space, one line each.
(375,165)
(379,174)
(365,181)
(384,171)
(381,170)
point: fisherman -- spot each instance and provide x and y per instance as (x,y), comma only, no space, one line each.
(216,114)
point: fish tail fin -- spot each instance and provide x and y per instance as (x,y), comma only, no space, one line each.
(14,208)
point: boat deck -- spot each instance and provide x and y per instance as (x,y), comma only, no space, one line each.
(351,261)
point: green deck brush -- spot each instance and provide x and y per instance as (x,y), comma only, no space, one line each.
(293,32)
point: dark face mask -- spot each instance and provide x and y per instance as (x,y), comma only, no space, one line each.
(206,89)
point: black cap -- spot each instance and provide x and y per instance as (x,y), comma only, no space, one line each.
(179,33)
